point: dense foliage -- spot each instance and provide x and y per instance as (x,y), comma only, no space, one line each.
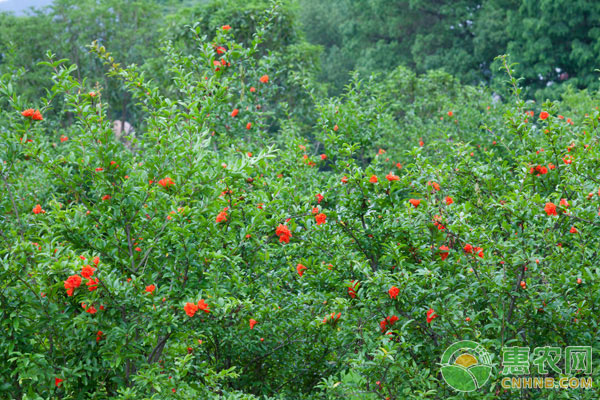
(555,42)
(245,247)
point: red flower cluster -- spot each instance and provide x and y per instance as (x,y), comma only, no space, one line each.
(389,321)
(264,79)
(99,336)
(218,65)
(550,208)
(222,216)
(191,308)
(284,233)
(235,112)
(434,185)
(92,284)
(87,271)
(373,179)
(352,289)
(449,200)
(319,197)
(320,218)
(332,318)
(391,177)
(300,269)
(444,252)
(437,221)
(38,209)
(252,323)
(431,315)
(91,309)
(414,202)
(72,282)
(150,288)
(473,250)
(393,292)
(33,114)
(540,169)
(166,182)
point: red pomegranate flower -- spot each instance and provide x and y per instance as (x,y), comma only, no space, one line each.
(190,309)
(391,177)
(352,289)
(332,318)
(72,282)
(300,269)
(550,208)
(87,271)
(431,315)
(222,216)
(387,321)
(203,306)
(320,218)
(37,116)
(284,233)
(444,252)
(415,203)
(166,182)
(92,284)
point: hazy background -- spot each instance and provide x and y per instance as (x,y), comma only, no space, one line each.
(555,43)
(21,6)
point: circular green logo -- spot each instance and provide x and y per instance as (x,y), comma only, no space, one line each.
(466,366)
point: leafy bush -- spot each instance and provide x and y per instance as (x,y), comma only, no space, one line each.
(219,257)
